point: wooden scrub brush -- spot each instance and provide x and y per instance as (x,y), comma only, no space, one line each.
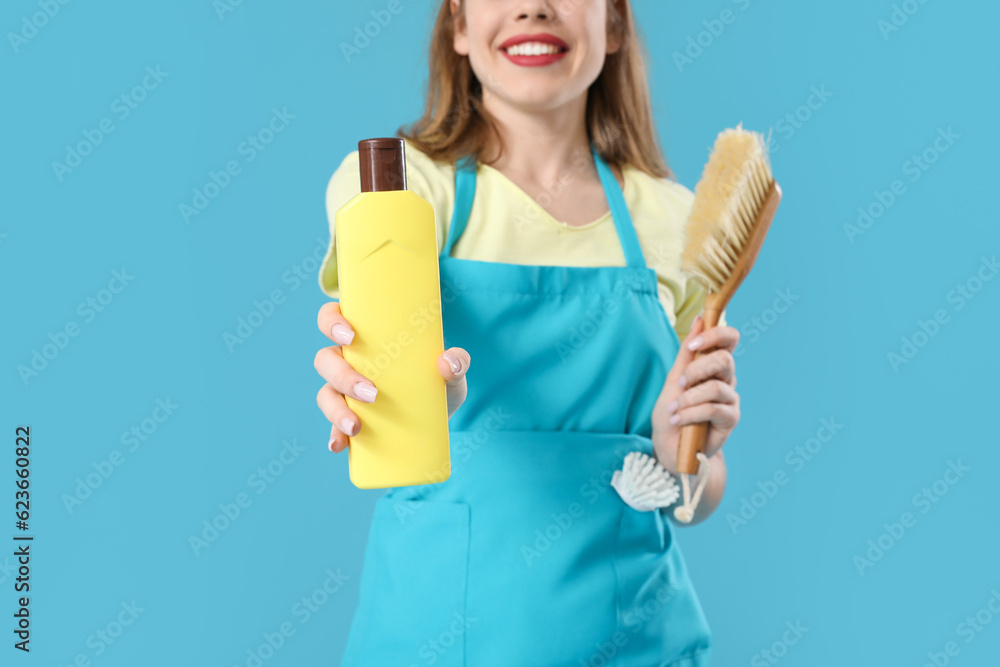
(734,204)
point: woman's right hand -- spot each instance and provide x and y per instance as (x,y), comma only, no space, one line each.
(342,379)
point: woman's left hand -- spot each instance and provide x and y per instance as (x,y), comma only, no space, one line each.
(698,390)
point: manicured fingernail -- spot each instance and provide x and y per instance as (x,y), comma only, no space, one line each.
(696,342)
(672,407)
(456,365)
(675,419)
(683,381)
(332,445)
(342,334)
(347,426)
(365,391)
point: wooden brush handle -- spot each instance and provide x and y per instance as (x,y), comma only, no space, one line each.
(694,436)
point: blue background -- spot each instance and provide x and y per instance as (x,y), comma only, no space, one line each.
(162,336)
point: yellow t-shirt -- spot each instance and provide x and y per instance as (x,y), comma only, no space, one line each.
(507,225)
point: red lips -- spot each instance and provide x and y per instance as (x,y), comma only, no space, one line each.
(543,37)
(535,60)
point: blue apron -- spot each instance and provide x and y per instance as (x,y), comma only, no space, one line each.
(527,555)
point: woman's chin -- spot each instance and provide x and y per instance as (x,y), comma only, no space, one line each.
(537,98)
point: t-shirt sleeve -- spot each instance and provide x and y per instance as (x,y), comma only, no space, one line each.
(692,304)
(432,181)
(664,206)
(344,184)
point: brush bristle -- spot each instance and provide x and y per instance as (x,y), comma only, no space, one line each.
(727,199)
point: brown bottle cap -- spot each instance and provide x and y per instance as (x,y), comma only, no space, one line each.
(383,164)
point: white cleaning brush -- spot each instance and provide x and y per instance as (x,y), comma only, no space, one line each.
(644,484)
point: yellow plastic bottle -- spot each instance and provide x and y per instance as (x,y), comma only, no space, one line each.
(390,292)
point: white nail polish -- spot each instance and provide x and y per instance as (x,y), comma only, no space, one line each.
(365,391)
(347,426)
(456,365)
(342,334)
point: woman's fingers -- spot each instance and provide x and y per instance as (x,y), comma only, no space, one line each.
(453,364)
(330,363)
(713,401)
(716,364)
(710,391)
(343,380)
(726,338)
(722,419)
(333,325)
(345,422)
(723,416)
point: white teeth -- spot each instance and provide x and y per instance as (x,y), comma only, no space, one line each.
(532,49)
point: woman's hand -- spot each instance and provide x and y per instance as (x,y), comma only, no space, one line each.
(698,390)
(342,379)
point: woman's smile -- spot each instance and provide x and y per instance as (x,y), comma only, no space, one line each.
(534,50)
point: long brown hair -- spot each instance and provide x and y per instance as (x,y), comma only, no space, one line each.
(619,113)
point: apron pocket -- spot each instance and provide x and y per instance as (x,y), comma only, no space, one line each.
(411,606)
(659,615)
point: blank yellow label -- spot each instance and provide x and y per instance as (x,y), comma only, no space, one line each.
(390,292)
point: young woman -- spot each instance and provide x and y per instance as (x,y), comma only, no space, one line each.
(560,230)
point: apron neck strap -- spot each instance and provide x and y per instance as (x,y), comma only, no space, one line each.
(465,190)
(619,211)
